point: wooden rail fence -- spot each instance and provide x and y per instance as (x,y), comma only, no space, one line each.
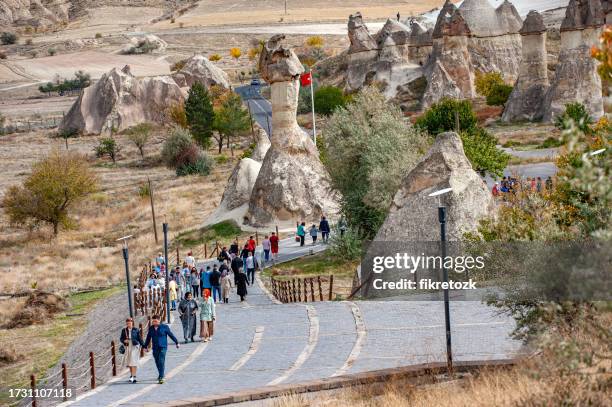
(300,289)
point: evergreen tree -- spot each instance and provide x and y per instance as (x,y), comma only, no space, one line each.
(200,114)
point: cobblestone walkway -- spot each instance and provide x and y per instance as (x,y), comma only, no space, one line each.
(259,343)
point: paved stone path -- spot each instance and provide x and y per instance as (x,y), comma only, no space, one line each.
(259,343)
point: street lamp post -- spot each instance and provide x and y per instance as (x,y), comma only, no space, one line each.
(442,220)
(167,276)
(127,272)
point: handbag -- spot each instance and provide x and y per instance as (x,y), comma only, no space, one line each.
(122,349)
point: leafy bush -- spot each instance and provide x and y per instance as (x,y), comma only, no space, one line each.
(304,98)
(235,52)
(201,166)
(178,65)
(440,117)
(347,247)
(177,115)
(81,80)
(551,142)
(249,151)
(51,51)
(179,140)
(8,38)
(214,57)
(485,82)
(108,146)
(315,41)
(499,94)
(480,147)
(327,99)
(578,113)
(98,35)
(221,159)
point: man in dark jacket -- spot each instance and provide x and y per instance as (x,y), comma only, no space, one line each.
(158,334)
(324,229)
(215,282)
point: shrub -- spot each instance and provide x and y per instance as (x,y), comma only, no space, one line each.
(480,147)
(551,142)
(178,141)
(55,185)
(139,135)
(51,51)
(172,20)
(8,38)
(108,146)
(485,82)
(440,116)
(249,151)
(316,41)
(177,115)
(221,159)
(347,247)
(576,112)
(499,94)
(214,57)
(2,55)
(98,35)
(177,66)
(327,99)
(235,52)
(144,191)
(202,166)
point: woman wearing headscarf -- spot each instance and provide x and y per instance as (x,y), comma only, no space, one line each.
(241,285)
(187,311)
(207,316)
(226,285)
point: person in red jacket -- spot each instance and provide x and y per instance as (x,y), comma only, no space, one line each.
(274,245)
(251,244)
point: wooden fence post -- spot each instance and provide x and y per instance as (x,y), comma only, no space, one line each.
(320,290)
(205,251)
(92,369)
(178,259)
(299,291)
(114,358)
(331,286)
(141,338)
(33,387)
(312,297)
(256,238)
(277,231)
(65,381)
(305,290)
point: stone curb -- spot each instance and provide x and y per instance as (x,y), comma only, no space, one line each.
(338,382)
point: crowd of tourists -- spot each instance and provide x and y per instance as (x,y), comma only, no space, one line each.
(195,291)
(512,185)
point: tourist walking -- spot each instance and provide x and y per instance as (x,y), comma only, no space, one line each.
(251,265)
(131,342)
(215,283)
(241,285)
(234,248)
(274,245)
(158,335)
(205,279)
(301,232)
(207,316)
(266,245)
(314,232)
(195,282)
(226,286)
(324,229)
(539,185)
(190,260)
(236,265)
(173,294)
(251,244)
(187,311)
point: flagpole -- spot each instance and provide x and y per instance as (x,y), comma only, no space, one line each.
(314,123)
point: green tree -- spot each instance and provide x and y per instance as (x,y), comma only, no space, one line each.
(181,153)
(327,99)
(231,118)
(200,114)
(485,82)
(441,116)
(8,38)
(107,146)
(578,114)
(499,94)
(480,147)
(362,143)
(55,185)
(140,135)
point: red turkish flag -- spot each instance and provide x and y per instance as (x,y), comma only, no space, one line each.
(306,79)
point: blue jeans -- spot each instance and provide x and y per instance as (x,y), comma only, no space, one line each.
(251,274)
(159,354)
(266,254)
(216,289)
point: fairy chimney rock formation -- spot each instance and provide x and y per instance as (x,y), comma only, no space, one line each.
(200,69)
(119,100)
(527,97)
(576,78)
(292,184)
(413,215)
(359,35)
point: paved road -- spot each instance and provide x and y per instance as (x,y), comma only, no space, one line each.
(261,109)
(260,342)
